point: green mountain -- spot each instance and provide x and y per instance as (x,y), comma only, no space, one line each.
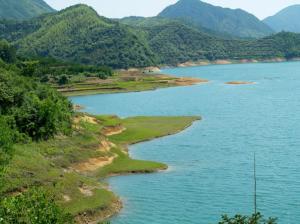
(285,20)
(237,22)
(78,34)
(23,9)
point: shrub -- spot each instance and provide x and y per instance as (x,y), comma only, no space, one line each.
(35,207)
(254,219)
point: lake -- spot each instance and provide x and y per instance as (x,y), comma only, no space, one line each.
(211,163)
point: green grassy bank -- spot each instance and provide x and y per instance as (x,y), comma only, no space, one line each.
(70,166)
(121,82)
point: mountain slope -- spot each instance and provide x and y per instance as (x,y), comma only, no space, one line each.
(285,20)
(144,22)
(235,22)
(78,34)
(23,9)
(175,42)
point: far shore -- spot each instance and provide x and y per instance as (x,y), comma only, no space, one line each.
(151,78)
(124,81)
(240,83)
(226,62)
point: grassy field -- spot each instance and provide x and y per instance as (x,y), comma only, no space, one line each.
(59,164)
(139,129)
(123,81)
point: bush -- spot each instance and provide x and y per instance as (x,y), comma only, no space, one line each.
(63,80)
(35,207)
(6,142)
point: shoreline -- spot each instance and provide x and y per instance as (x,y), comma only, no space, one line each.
(130,81)
(228,62)
(105,214)
(80,164)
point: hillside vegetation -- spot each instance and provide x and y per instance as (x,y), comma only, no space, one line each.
(51,158)
(23,9)
(78,34)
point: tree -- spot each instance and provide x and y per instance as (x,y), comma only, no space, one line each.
(36,110)
(35,206)
(7,52)
(29,68)
(254,219)
(63,80)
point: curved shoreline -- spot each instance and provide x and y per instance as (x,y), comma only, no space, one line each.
(116,206)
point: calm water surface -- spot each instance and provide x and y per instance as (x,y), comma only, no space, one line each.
(211,162)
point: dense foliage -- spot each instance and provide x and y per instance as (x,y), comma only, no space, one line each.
(175,43)
(23,9)
(35,207)
(79,35)
(33,110)
(29,111)
(54,71)
(13,30)
(199,14)
(240,219)
(285,20)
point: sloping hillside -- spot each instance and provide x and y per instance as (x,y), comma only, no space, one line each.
(285,20)
(23,9)
(78,34)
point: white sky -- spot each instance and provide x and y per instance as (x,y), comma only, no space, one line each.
(122,8)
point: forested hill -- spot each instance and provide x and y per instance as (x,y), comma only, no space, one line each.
(236,22)
(23,9)
(79,34)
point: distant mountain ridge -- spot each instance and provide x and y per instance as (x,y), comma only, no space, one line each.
(235,22)
(79,34)
(23,9)
(287,19)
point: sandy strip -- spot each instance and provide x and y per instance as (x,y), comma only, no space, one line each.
(93,164)
(113,130)
(239,83)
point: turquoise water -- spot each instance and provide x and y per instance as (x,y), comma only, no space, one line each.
(211,163)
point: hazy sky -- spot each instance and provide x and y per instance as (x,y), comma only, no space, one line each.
(122,8)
